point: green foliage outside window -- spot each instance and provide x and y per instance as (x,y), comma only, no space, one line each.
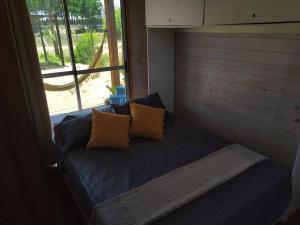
(118,23)
(85,48)
(88,12)
(84,14)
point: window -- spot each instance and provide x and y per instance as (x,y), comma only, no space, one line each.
(81,50)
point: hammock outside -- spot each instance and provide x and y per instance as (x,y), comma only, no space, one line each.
(82,78)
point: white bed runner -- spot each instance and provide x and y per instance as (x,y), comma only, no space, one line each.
(160,196)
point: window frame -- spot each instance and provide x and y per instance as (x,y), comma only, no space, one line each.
(75,73)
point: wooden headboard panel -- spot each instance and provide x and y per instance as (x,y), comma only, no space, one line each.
(137,47)
(244,87)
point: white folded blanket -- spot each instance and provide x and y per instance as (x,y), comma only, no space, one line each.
(163,195)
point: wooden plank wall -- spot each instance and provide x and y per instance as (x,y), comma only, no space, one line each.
(137,47)
(244,87)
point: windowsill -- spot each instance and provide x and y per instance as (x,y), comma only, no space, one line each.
(54,119)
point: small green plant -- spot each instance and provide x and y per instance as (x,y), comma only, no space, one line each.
(118,23)
(85,48)
(41,58)
(67,58)
(104,61)
(112,90)
(52,59)
(50,35)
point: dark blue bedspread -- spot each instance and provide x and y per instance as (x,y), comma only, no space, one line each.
(258,196)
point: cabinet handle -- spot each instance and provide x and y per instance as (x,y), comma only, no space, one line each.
(253,15)
(170,20)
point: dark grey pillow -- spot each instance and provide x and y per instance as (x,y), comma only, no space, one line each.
(123,109)
(152,100)
(73,132)
(75,129)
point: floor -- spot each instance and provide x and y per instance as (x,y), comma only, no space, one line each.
(294,220)
(63,204)
(66,212)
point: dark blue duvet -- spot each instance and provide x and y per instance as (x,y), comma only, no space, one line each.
(259,196)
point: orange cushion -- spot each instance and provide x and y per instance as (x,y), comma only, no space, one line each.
(147,121)
(109,130)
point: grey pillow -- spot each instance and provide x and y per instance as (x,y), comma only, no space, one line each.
(74,130)
(152,100)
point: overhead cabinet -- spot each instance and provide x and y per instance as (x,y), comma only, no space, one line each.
(174,13)
(251,11)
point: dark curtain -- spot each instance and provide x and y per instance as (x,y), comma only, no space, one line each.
(31,76)
(24,197)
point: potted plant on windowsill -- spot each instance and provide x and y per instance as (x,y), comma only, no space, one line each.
(117,94)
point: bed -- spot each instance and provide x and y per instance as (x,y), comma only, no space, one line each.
(258,196)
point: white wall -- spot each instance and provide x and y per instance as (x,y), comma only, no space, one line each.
(161,64)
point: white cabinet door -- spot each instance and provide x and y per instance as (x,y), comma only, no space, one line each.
(172,13)
(158,12)
(251,11)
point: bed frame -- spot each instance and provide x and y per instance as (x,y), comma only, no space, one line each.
(295,202)
(294,205)
(84,215)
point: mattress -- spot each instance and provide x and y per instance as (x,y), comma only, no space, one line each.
(258,196)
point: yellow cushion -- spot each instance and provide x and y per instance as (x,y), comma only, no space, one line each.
(109,130)
(147,121)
